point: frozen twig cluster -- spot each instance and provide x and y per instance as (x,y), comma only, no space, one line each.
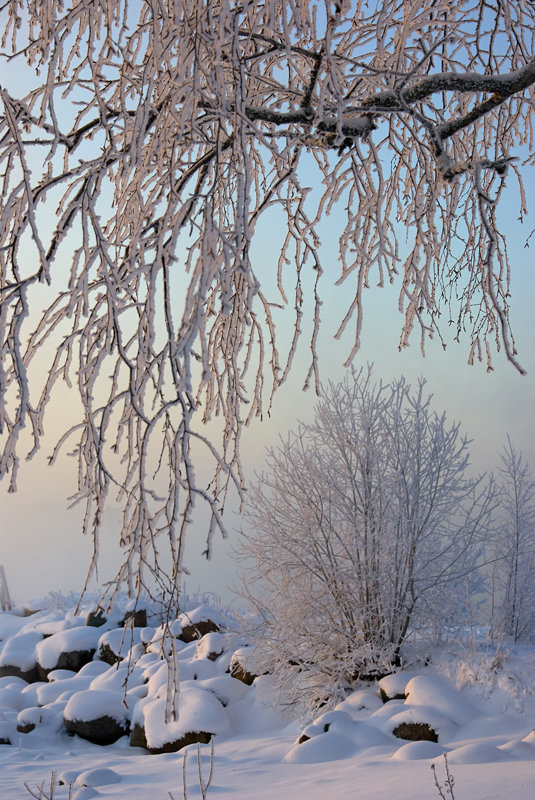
(136,172)
(204,782)
(444,790)
(47,790)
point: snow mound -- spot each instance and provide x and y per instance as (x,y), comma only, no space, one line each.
(415,751)
(477,753)
(50,692)
(360,703)
(120,641)
(201,614)
(198,711)
(86,793)
(93,704)
(10,625)
(11,697)
(334,745)
(117,679)
(21,651)
(67,641)
(434,690)
(97,777)
(519,749)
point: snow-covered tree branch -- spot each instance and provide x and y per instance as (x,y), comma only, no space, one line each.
(135,174)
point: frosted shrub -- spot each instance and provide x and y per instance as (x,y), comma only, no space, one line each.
(365,524)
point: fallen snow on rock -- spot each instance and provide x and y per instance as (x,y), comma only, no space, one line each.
(68,641)
(20,650)
(480,704)
(198,711)
(92,704)
(120,640)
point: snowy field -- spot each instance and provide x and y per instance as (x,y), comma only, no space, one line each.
(480,703)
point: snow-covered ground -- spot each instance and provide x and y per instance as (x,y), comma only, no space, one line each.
(481,703)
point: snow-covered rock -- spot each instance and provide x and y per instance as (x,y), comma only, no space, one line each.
(200,621)
(419,722)
(19,656)
(116,644)
(242,665)
(67,649)
(97,715)
(393,687)
(200,716)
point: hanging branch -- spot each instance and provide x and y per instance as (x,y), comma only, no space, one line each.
(134,177)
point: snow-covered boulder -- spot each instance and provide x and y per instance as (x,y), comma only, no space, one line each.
(135,618)
(242,666)
(31,718)
(200,716)
(437,691)
(49,718)
(415,732)
(420,723)
(393,687)
(19,656)
(116,644)
(200,621)
(97,715)
(95,619)
(67,649)
(212,645)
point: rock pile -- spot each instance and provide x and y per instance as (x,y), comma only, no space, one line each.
(165,686)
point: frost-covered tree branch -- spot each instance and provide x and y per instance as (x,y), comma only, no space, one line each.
(136,172)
